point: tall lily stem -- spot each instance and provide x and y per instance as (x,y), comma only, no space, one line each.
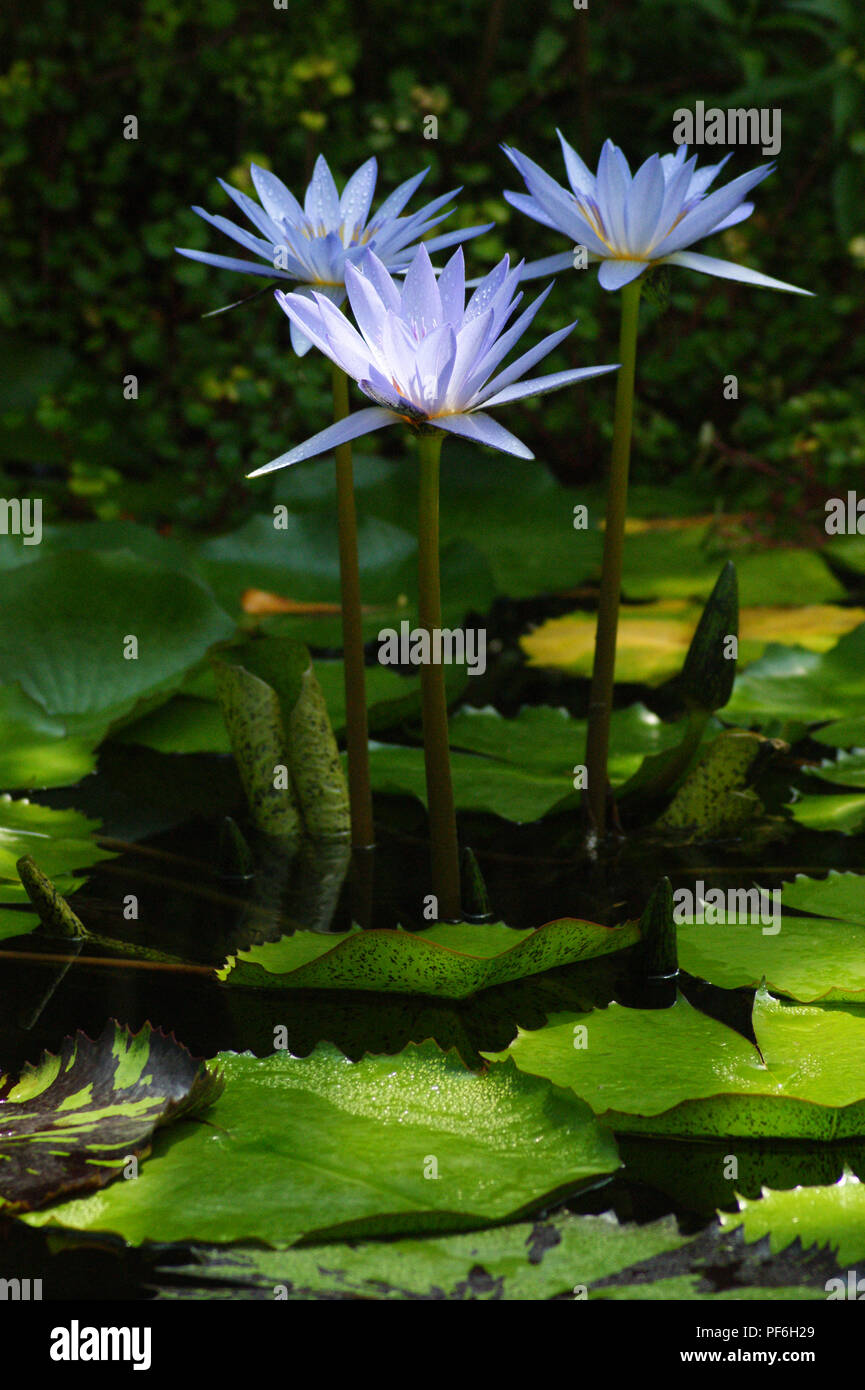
(356,723)
(440,796)
(603,674)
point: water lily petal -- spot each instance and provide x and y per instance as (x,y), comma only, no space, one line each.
(549,265)
(490,359)
(452,287)
(357,196)
(614,274)
(705,217)
(470,339)
(441,243)
(525,362)
(729,270)
(321,203)
(420,302)
(279,204)
(376,272)
(299,341)
(738,215)
(232,263)
(523,202)
(542,384)
(613,184)
(643,204)
(256,214)
(305,314)
(556,202)
(394,204)
(483,429)
(702,178)
(580,177)
(352,427)
(348,347)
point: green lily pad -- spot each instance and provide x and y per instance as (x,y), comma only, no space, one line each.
(838,895)
(660,564)
(192,722)
(686,1288)
(183,724)
(301,562)
(74,1120)
(60,841)
(843,812)
(35,751)
(88,684)
(832,1217)
(473,485)
(790,683)
(808,958)
(453,960)
(327,1148)
(521,768)
(678,1071)
(529,1260)
(843,733)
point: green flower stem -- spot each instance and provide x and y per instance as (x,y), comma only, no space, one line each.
(440,796)
(603,674)
(356,723)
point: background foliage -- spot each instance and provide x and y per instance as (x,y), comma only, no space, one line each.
(93,290)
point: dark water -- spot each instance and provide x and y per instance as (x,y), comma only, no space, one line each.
(189,907)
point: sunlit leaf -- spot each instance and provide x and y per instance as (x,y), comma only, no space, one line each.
(321,1146)
(679,1071)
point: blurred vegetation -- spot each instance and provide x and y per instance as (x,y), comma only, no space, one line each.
(93,291)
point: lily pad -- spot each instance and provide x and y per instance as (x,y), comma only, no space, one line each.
(449,960)
(790,683)
(521,768)
(831,1216)
(557,557)
(300,561)
(528,1260)
(88,683)
(678,1071)
(808,958)
(325,1148)
(36,751)
(192,722)
(843,812)
(683,562)
(60,841)
(74,1120)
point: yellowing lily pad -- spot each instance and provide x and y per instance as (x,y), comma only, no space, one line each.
(653,638)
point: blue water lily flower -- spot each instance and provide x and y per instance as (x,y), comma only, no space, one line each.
(425,356)
(313,244)
(629,222)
